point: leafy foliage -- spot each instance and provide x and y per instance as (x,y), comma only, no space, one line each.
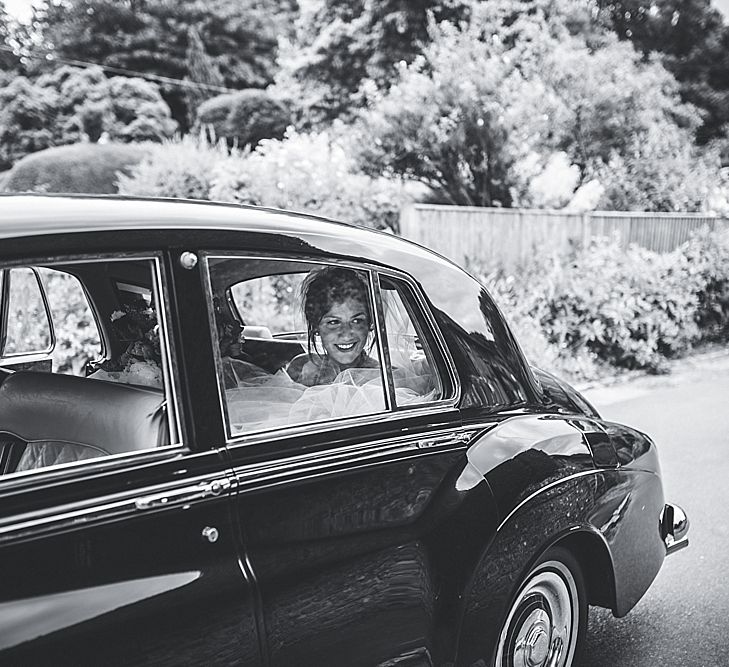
(202,69)
(693,41)
(9,62)
(461,118)
(91,168)
(306,172)
(340,44)
(311,173)
(244,118)
(627,308)
(24,113)
(152,36)
(181,168)
(71,105)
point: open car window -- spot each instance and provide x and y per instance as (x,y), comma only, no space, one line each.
(90,378)
(414,372)
(300,342)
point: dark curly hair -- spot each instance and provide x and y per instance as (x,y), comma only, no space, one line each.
(324,287)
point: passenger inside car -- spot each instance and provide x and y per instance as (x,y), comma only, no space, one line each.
(339,328)
(276,375)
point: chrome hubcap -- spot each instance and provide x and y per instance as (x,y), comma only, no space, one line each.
(541,628)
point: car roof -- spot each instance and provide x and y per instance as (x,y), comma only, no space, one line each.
(23,215)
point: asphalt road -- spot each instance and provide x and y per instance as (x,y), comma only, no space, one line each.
(683,620)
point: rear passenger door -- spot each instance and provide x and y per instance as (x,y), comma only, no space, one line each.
(339,480)
(117,545)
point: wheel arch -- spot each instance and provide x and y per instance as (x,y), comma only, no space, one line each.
(593,555)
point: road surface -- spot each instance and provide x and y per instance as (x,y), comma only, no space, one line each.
(683,621)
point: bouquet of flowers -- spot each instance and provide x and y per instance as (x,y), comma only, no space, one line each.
(141,363)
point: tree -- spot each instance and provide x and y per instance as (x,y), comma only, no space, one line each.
(462,118)
(340,44)
(8,60)
(693,40)
(26,111)
(201,69)
(152,37)
(72,104)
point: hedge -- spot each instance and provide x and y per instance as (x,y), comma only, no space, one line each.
(85,168)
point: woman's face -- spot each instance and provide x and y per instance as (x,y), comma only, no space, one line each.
(344,329)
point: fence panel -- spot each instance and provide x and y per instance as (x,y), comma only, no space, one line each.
(508,238)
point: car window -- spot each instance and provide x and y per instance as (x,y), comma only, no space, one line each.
(300,342)
(78,342)
(27,327)
(107,391)
(414,373)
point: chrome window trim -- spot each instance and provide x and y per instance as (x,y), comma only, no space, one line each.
(329,461)
(170,374)
(334,425)
(97,464)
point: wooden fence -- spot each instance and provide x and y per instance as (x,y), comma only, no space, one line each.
(508,238)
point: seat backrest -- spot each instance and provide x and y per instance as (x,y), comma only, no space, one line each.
(65,418)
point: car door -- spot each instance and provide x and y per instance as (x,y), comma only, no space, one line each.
(341,512)
(117,543)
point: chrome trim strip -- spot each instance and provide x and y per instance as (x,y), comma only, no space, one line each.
(331,425)
(383,345)
(277,433)
(170,377)
(351,456)
(98,510)
(544,488)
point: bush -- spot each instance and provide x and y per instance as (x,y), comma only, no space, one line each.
(630,309)
(244,118)
(89,168)
(312,173)
(182,168)
(708,254)
(26,113)
(71,105)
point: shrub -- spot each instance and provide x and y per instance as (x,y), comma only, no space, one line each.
(26,112)
(244,118)
(182,168)
(71,105)
(90,168)
(312,173)
(629,308)
(708,256)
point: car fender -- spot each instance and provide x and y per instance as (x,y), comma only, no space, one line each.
(548,489)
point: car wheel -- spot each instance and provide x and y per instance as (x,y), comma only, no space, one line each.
(546,621)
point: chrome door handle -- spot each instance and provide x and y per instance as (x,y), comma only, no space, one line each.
(458,438)
(185,494)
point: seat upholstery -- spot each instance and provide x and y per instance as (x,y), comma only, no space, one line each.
(64,418)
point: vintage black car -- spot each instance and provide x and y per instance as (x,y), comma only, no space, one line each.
(171,493)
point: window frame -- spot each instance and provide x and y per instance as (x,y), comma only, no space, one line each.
(391,412)
(6,284)
(434,341)
(170,371)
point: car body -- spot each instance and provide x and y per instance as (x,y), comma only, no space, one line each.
(168,497)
